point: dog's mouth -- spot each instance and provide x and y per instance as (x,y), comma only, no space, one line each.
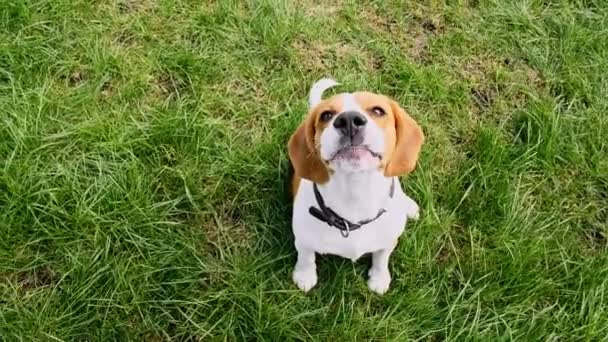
(355,153)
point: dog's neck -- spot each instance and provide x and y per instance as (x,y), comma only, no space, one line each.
(357,196)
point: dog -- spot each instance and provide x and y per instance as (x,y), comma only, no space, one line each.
(347,156)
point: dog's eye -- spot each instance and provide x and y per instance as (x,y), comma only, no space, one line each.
(327,115)
(378,111)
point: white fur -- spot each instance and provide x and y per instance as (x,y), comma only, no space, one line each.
(317,90)
(355,192)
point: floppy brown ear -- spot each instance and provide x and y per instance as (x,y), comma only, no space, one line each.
(304,158)
(409,140)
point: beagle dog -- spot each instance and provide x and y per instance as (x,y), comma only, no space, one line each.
(347,156)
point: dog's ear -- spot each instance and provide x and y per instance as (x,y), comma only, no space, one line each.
(303,155)
(408,141)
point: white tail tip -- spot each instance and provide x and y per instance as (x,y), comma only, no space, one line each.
(317,90)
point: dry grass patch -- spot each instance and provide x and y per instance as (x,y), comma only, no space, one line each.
(318,56)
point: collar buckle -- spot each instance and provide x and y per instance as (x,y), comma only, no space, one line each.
(345,232)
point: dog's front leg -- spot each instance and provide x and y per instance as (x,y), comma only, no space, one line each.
(305,272)
(379,275)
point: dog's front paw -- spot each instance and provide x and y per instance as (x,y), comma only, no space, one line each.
(412,209)
(305,279)
(415,215)
(379,280)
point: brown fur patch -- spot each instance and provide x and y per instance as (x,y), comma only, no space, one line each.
(295,185)
(303,147)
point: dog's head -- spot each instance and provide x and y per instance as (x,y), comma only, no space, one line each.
(353,132)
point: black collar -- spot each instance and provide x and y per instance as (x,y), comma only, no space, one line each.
(330,217)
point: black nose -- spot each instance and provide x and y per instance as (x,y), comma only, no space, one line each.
(350,123)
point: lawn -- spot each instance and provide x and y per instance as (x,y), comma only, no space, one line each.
(143,169)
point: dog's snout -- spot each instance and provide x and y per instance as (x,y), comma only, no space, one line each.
(350,123)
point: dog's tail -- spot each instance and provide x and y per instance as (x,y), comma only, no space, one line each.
(317,90)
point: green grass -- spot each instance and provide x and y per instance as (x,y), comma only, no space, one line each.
(143,169)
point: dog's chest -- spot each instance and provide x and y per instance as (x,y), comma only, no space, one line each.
(324,239)
(369,238)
